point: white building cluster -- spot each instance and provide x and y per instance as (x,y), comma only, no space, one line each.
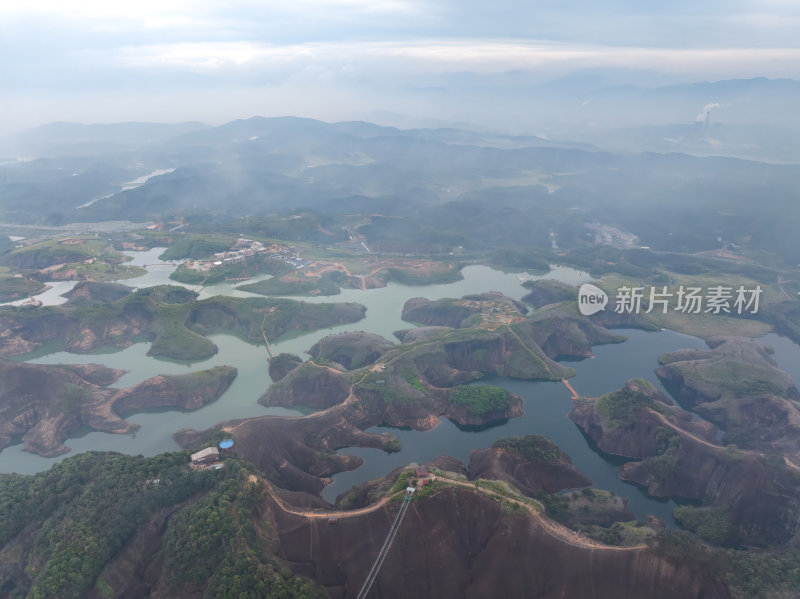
(241,251)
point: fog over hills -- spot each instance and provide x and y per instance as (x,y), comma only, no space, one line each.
(374,251)
(626,109)
(467,188)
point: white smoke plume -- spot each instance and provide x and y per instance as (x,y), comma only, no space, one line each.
(706,111)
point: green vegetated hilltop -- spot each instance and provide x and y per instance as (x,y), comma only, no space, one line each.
(104,525)
(155,527)
(350,350)
(23,270)
(173,319)
(14,286)
(78,257)
(326,284)
(539,469)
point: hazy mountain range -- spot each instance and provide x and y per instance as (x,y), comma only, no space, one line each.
(461,187)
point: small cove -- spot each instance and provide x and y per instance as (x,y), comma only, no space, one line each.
(546,403)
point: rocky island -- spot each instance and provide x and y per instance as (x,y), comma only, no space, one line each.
(749,495)
(43,405)
(350,350)
(533,464)
(171,318)
(738,385)
(355,381)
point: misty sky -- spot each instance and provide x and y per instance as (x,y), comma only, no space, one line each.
(173,60)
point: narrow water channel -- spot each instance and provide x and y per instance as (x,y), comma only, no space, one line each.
(384,307)
(546,404)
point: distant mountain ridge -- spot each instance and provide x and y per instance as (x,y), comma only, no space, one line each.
(424,190)
(68,134)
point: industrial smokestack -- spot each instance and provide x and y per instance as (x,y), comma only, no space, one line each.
(706,113)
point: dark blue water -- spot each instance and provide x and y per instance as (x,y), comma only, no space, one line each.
(547,405)
(787,354)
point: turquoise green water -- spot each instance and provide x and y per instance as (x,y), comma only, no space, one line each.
(546,404)
(384,307)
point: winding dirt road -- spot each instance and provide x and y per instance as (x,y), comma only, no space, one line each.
(529,350)
(555,530)
(694,437)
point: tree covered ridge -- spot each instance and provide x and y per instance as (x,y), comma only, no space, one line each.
(62,528)
(481,399)
(530,446)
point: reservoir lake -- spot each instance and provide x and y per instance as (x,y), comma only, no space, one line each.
(546,403)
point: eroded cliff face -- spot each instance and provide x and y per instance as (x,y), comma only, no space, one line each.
(549,291)
(529,475)
(630,422)
(457,543)
(738,385)
(26,332)
(511,353)
(562,334)
(758,492)
(308,385)
(295,453)
(446,313)
(351,350)
(92,292)
(421,415)
(464,417)
(186,391)
(283,364)
(761,499)
(45,404)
